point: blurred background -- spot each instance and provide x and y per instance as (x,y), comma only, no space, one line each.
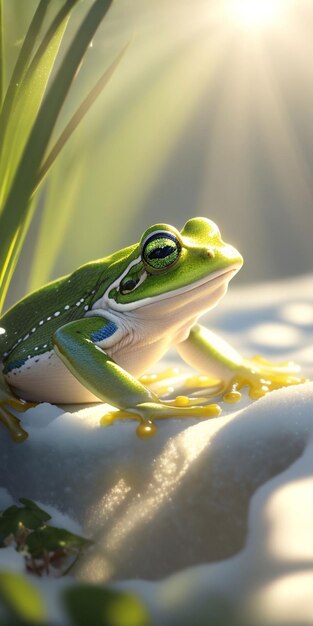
(210,113)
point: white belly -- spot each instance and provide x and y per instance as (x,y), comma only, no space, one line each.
(138,358)
(45,378)
(48,380)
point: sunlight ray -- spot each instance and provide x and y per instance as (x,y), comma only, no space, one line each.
(284,149)
(137,141)
(256,14)
(169,470)
(226,169)
(250,110)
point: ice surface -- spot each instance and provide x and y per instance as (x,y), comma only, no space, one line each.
(216,516)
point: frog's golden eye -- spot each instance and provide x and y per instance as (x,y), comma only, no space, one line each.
(161,250)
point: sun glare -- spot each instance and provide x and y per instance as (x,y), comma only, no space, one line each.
(255,14)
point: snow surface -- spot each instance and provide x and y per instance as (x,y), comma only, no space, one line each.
(208,520)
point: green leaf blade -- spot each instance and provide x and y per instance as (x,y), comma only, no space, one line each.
(30,516)
(21,598)
(96,606)
(18,209)
(50,539)
(21,63)
(78,116)
(27,100)
(1,56)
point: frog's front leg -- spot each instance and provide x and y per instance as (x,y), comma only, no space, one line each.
(209,354)
(76,344)
(7,418)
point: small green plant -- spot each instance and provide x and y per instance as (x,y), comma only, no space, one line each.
(29,109)
(46,549)
(97,606)
(21,604)
(52,551)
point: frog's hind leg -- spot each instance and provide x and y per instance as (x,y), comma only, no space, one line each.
(9,420)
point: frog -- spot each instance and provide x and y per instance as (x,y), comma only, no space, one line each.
(91,335)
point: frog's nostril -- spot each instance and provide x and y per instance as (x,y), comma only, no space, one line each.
(210,252)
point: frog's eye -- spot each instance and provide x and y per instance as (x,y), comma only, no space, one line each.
(128,284)
(161,250)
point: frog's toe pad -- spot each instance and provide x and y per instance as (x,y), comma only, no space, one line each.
(261,377)
(12,424)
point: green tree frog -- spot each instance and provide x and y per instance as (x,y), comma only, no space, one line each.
(89,336)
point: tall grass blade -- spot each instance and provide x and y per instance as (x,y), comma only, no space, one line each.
(22,62)
(22,106)
(28,98)
(62,14)
(17,209)
(14,251)
(79,115)
(54,226)
(1,56)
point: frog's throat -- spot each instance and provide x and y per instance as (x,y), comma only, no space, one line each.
(105,302)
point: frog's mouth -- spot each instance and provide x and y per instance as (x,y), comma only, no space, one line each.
(209,290)
(211,283)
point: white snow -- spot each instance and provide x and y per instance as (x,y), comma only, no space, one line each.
(208,520)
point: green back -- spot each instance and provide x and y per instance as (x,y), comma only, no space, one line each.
(37,316)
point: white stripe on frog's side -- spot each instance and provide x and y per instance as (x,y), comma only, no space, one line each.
(44,321)
(141,279)
(105,302)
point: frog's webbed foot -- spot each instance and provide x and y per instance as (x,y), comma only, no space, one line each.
(261,377)
(9,420)
(147,412)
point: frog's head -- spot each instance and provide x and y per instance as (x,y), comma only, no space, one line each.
(172,265)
